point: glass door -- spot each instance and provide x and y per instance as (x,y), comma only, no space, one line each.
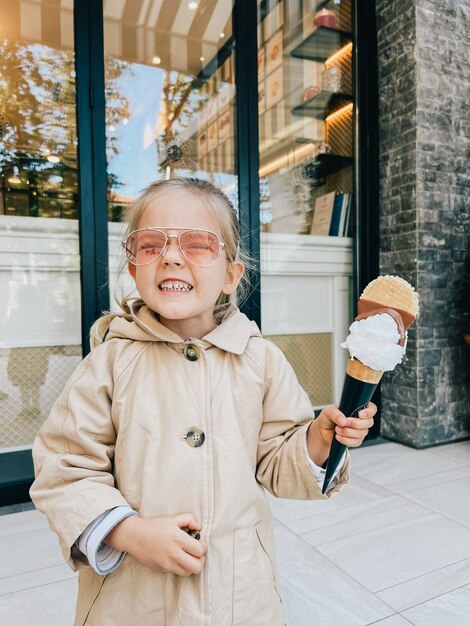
(170,101)
(40,341)
(306,112)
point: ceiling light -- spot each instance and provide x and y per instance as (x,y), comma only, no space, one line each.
(192,5)
(156,60)
(52,158)
(222,35)
(202,59)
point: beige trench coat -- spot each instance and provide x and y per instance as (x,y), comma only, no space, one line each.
(117,435)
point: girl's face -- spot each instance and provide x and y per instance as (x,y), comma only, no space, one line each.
(181,293)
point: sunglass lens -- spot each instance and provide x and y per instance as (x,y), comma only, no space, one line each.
(200,247)
(143,247)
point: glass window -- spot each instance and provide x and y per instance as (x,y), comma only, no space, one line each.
(40,338)
(170,100)
(306,108)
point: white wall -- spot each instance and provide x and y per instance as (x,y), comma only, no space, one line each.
(305,288)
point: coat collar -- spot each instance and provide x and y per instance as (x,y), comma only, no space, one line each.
(233,330)
(231,334)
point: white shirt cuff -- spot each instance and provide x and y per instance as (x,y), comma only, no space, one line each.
(103,558)
(320,472)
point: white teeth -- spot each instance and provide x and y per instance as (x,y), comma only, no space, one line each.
(171,285)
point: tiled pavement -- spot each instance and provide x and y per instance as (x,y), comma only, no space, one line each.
(392,549)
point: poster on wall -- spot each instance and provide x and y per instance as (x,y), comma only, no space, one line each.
(202,117)
(274,19)
(220,158)
(212,132)
(224,94)
(212,162)
(261,60)
(224,125)
(202,143)
(274,88)
(261,98)
(212,106)
(228,154)
(274,52)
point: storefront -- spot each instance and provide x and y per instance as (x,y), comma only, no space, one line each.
(275,102)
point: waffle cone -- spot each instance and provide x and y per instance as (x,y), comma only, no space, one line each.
(359,371)
(392,292)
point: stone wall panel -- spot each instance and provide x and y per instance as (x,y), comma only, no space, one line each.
(424,127)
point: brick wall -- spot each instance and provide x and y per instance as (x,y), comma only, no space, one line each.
(424,126)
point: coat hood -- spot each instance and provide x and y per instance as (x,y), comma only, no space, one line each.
(231,334)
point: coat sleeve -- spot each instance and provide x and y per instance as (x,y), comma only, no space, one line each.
(282,459)
(73,455)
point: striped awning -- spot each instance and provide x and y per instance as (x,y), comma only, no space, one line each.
(183,34)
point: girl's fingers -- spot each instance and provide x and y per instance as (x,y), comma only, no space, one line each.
(354,423)
(333,413)
(354,433)
(187,520)
(351,442)
(335,416)
(194,547)
(368,412)
(349,433)
(188,564)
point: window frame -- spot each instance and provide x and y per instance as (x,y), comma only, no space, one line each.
(17,474)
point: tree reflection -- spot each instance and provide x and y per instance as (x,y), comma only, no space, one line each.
(38,133)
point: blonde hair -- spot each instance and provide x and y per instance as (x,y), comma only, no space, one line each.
(222,210)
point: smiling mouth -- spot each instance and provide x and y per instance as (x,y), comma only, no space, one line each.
(173,285)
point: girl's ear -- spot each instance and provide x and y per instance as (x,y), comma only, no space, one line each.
(131,268)
(234,274)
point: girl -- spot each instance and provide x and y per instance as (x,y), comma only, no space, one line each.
(162,441)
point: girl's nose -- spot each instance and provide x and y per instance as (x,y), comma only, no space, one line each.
(172,253)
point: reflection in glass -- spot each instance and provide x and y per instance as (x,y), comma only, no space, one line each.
(305,107)
(172,109)
(40,341)
(38,130)
(170,104)
(305,117)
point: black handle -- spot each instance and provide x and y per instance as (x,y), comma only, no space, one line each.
(355,396)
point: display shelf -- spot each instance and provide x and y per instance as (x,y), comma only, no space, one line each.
(285,149)
(322,104)
(325,164)
(321,43)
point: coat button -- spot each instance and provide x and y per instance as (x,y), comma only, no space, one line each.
(191,352)
(195,437)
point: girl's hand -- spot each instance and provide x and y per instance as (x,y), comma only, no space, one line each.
(160,543)
(349,431)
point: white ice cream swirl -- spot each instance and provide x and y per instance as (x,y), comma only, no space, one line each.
(374,342)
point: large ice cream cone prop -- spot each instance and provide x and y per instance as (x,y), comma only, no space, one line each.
(387,308)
